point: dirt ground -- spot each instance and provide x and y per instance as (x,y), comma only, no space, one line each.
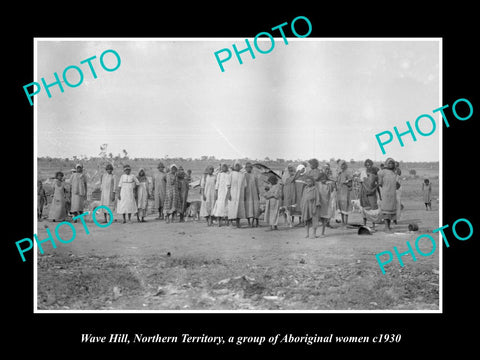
(189,266)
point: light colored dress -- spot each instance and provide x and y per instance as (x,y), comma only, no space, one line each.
(427,193)
(388,181)
(127,204)
(57,209)
(220,208)
(252,202)
(107,187)
(272,205)
(343,191)
(236,206)
(79,191)
(325,192)
(159,189)
(142,197)
(207,183)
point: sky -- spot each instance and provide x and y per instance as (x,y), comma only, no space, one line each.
(314,97)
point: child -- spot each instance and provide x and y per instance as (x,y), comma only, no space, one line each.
(220,210)
(207,190)
(41,199)
(126,196)
(427,194)
(142,195)
(325,189)
(252,196)
(172,196)
(272,207)
(310,206)
(58,211)
(107,187)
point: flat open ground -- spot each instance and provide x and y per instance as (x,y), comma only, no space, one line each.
(189,266)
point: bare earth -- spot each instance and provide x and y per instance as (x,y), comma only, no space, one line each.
(189,266)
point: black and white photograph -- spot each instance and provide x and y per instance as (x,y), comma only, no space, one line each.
(259,188)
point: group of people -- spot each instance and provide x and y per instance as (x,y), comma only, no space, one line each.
(229,194)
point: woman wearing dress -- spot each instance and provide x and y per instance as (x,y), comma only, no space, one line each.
(57,210)
(183,183)
(172,197)
(126,198)
(107,187)
(207,191)
(220,210)
(387,180)
(142,195)
(252,196)
(159,189)
(78,183)
(236,194)
(344,189)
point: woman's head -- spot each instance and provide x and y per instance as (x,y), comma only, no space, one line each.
(173,168)
(248,167)
(426,181)
(301,168)
(313,163)
(237,166)
(127,169)
(224,167)
(390,163)
(343,164)
(109,168)
(209,170)
(368,163)
(160,166)
(59,175)
(141,172)
(79,168)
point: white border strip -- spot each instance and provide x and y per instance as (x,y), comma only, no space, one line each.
(35,121)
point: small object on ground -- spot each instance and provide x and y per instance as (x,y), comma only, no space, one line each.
(412,227)
(169,254)
(302,261)
(116,292)
(160,291)
(271,297)
(224,281)
(182,232)
(373,303)
(364,230)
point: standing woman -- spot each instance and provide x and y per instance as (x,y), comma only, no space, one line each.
(300,183)
(236,194)
(159,189)
(57,210)
(427,194)
(142,195)
(79,191)
(289,194)
(183,184)
(220,210)
(207,191)
(107,187)
(398,193)
(387,180)
(344,188)
(126,197)
(172,196)
(274,199)
(252,196)
(368,194)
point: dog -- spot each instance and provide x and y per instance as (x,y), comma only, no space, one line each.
(193,210)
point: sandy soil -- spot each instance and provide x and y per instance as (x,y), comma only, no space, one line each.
(179,266)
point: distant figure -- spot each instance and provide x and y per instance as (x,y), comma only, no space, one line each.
(344,189)
(78,190)
(387,180)
(252,196)
(58,212)
(183,185)
(159,189)
(310,206)
(427,194)
(207,191)
(172,202)
(126,197)
(41,199)
(107,187)
(220,209)
(368,194)
(274,198)
(142,195)
(236,194)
